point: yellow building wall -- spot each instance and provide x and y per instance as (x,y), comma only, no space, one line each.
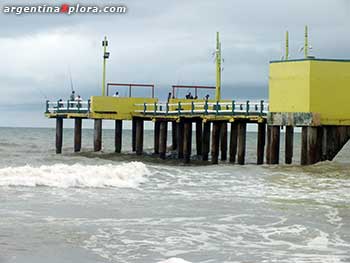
(117,108)
(289,86)
(330,91)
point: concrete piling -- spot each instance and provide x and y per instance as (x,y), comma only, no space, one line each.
(261,143)
(77,134)
(97,135)
(223,141)
(289,138)
(215,142)
(59,135)
(206,141)
(187,146)
(118,132)
(133,134)
(268,145)
(163,135)
(303,155)
(241,142)
(156,136)
(139,136)
(199,135)
(275,145)
(233,142)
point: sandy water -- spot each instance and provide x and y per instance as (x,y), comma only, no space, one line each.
(102,207)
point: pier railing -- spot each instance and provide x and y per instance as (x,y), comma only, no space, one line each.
(246,108)
(69,106)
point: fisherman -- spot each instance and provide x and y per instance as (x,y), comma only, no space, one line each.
(72,96)
(116,95)
(206,97)
(169,96)
(78,99)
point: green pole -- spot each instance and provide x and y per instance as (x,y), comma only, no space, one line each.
(287,46)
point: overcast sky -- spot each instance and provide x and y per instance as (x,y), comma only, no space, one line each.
(160,42)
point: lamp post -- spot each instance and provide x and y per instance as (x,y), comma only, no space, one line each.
(105,57)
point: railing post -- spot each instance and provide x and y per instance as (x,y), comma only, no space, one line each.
(88,106)
(261,107)
(206,107)
(47,106)
(247,108)
(217,108)
(68,105)
(192,108)
(233,107)
(179,108)
(155,108)
(166,108)
(144,108)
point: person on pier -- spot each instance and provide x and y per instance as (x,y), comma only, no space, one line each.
(116,95)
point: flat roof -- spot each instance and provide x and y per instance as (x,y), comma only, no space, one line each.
(310,59)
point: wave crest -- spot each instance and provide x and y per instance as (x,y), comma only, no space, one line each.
(129,175)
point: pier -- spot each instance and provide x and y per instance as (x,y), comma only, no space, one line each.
(308,93)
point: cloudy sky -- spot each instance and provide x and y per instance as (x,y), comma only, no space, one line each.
(160,42)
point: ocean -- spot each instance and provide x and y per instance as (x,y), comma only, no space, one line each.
(106,207)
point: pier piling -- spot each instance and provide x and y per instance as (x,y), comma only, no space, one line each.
(139,136)
(59,135)
(215,142)
(199,135)
(275,144)
(268,145)
(289,138)
(163,135)
(97,135)
(118,132)
(261,143)
(241,142)
(223,141)
(303,155)
(174,135)
(180,139)
(77,134)
(187,148)
(233,142)
(206,141)
(156,136)
(133,135)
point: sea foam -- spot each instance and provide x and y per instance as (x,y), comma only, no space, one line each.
(129,175)
(174,260)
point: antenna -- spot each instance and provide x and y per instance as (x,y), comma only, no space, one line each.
(306,44)
(105,57)
(286,57)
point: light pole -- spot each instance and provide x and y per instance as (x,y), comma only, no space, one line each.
(105,57)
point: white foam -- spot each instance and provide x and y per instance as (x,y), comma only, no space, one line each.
(61,175)
(174,260)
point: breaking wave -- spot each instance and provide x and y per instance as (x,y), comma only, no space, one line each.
(175,260)
(129,175)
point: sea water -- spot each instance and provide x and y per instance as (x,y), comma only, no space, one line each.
(106,207)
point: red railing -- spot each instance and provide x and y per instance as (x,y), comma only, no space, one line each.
(130,86)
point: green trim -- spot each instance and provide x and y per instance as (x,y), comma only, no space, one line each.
(309,59)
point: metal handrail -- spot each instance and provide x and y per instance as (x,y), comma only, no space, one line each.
(69,106)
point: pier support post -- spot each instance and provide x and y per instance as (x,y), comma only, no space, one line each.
(133,135)
(59,135)
(187,148)
(215,142)
(275,145)
(97,135)
(241,142)
(261,142)
(303,155)
(139,136)
(156,136)
(223,141)
(314,144)
(77,134)
(163,139)
(268,145)
(199,135)
(118,132)
(180,139)
(289,138)
(206,141)
(174,135)
(233,142)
